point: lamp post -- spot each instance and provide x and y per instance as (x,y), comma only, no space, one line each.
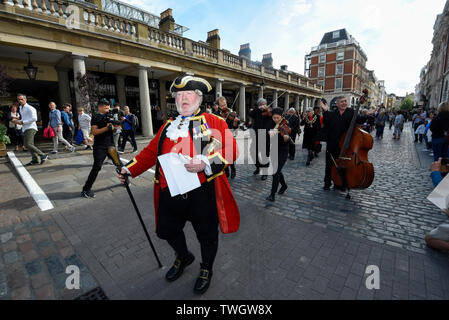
(30,70)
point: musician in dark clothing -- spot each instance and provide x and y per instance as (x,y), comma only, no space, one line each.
(233,123)
(293,122)
(312,127)
(283,141)
(261,124)
(335,125)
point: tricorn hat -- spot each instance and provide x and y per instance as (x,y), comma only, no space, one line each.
(187,83)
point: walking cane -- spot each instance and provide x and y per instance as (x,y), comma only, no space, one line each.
(112,151)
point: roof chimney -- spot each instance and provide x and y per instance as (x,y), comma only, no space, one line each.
(213,39)
(167,22)
(284,67)
(267,60)
(245,51)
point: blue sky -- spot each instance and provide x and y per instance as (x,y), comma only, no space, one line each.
(396,35)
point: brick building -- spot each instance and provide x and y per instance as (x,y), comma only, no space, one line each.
(338,64)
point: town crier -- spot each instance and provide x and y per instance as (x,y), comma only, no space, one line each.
(209,147)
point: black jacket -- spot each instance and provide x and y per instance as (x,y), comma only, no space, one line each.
(260,121)
(293,122)
(335,126)
(440,125)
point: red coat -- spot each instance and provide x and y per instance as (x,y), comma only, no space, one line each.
(220,157)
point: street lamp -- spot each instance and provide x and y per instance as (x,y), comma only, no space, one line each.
(30,70)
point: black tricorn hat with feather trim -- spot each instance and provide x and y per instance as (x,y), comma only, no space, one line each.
(187,83)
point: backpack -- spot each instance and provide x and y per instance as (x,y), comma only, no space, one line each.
(136,121)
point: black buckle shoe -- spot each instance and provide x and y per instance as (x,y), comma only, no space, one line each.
(233,174)
(327,187)
(256,172)
(264,177)
(271,198)
(282,190)
(203,281)
(178,267)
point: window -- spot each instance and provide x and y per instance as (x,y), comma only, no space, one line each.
(321,83)
(339,69)
(336,35)
(338,84)
(323,58)
(340,55)
(321,72)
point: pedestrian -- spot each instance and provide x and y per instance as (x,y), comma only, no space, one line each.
(118,114)
(312,128)
(293,123)
(14,129)
(438,238)
(29,128)
(129,130)
(318,146)
(381,119)
(420,131)
(233,123)
(440,132)
(418,119)
(102,130)
(261,124)
(84,125)
(190,134)
(282,141)
(398,125)
(67,130)
(335,124)
(55,122)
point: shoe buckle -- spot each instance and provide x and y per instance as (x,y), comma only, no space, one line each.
(204,274)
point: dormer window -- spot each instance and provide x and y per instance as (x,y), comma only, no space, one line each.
(336,35)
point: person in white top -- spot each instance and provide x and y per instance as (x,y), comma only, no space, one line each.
(84,125)
(29,128)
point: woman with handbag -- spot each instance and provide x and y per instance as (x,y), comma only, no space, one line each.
(15,130)
(54,122)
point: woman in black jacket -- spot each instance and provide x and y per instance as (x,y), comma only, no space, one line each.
(312,127)
(283,141)
(440,132)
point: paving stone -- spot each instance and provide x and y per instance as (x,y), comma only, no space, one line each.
(22,293)
(54,265)
(33,267)
(39,279)
(5,237)
(46,292)
(11,257)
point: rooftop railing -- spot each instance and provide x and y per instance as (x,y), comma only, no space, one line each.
(85,16)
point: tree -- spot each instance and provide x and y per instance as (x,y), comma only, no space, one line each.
(89,86)
(407,104)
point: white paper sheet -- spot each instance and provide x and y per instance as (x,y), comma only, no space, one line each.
(440,195)
(179,180)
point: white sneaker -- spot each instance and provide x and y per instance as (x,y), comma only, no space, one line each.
(73,149)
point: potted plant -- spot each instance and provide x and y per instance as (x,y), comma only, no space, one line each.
(4,140)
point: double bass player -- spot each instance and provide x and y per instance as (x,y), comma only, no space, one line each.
(335,125)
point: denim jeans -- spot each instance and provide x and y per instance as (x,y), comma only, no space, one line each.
(439,147)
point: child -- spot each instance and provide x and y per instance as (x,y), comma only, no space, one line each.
(420,131)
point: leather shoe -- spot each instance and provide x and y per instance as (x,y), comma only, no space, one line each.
(282,190)
(178,267)
(203,281)
(256,172)
(326,187)
(264,177)
(233,174)
(271,198)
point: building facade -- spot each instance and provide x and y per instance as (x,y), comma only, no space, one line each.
(129,56)
(434,79)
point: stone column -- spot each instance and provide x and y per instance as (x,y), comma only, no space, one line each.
(287,101)
(242,103)
(163,94)
(121,94)
(260,92)
(79,70)
(64,86)
(145,106)
(218,88)
(297,102)
(275,99)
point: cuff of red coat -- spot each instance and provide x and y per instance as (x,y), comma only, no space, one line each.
(217,164)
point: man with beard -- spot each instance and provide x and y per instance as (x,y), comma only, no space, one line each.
(206,140)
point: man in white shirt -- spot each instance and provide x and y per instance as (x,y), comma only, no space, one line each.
(29,129)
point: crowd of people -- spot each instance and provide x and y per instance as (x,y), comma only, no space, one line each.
(212,156)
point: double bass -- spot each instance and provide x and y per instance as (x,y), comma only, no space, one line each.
(351,169)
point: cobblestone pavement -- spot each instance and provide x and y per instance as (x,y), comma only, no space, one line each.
(34,252)
(309,244)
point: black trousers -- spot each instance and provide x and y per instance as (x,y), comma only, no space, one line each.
(292,147)
(232,169)
(100,154)
(259,149)
(131,135)
(278,176)
(67,133)
(335,152)
(198,207)
(415,126)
